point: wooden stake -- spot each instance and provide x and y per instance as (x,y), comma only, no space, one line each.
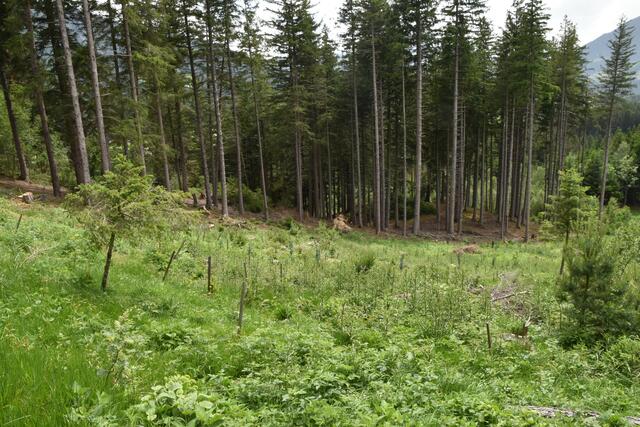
(243,293)
(209,285)
(19,221)
(107,265)
(174,255)
(488,335)
(166,270)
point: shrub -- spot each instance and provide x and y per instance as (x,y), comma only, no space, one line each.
(623,358)
(364,263)
(569,208)
(177,402)
(124,202)
(252,199)
(599,299)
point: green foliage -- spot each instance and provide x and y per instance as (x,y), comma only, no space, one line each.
(177,403)
(600,303)
(124,201)
(364,263)
(322,343)
(570,207)
(252,199)
(623,358)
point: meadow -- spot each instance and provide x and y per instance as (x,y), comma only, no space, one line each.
(337,329)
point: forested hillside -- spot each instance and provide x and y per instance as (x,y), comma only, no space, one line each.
(419,108)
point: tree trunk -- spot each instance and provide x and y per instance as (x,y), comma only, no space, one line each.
(42,110)
(22,161)
(83,175)
(376,138)
(451,196)
(256,109)
(220,140)
(236,121)
(107,264)
(133,80)
(358,172)
(105,159)
(527,206)
(404,154)
(116,66)
(418,172)
(605,165)
(182,149)
(163,141)
(196,100)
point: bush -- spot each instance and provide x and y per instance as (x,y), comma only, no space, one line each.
(177,402)
(364,263)
(623,358)
(252,199)
(600,302)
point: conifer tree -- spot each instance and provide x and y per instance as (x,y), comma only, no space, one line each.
(616,81)
(39,98)
(82,161)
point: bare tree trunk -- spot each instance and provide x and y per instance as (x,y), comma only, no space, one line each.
(236,121)
(404,154)
(605,165)
(22,161)
(527,203)
(451,196)
(483,168)
(461,172)
(331,206)
(219,140)
(163,141)
(82,159)
(298,147)
(105,158)
(358,171)
(196,100)
(133,80)
(182,149)
(256,109)
(42,110)
(376,137)
(116,66)
(382,170)
(418,172)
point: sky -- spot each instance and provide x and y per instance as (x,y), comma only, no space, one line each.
(592,17)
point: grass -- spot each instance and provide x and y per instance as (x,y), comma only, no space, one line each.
(334,333)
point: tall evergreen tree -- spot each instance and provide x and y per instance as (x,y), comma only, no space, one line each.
(616,81)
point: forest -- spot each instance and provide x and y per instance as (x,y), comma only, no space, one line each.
(228,212)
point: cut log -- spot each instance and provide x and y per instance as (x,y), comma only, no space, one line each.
(340,223)
(469,249)
(27,197)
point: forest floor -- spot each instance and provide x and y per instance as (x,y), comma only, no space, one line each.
(351,329)
(431,228)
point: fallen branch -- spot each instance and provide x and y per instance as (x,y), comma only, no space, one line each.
(548,412)
(511,295)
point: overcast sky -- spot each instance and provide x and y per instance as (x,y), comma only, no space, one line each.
(592,17)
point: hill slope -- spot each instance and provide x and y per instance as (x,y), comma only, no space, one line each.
(335,332)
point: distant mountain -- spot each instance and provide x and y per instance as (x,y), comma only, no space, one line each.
(599,48)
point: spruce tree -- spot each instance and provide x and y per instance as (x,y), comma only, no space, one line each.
(616,81)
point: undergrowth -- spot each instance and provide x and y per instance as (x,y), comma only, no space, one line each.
(338,330)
